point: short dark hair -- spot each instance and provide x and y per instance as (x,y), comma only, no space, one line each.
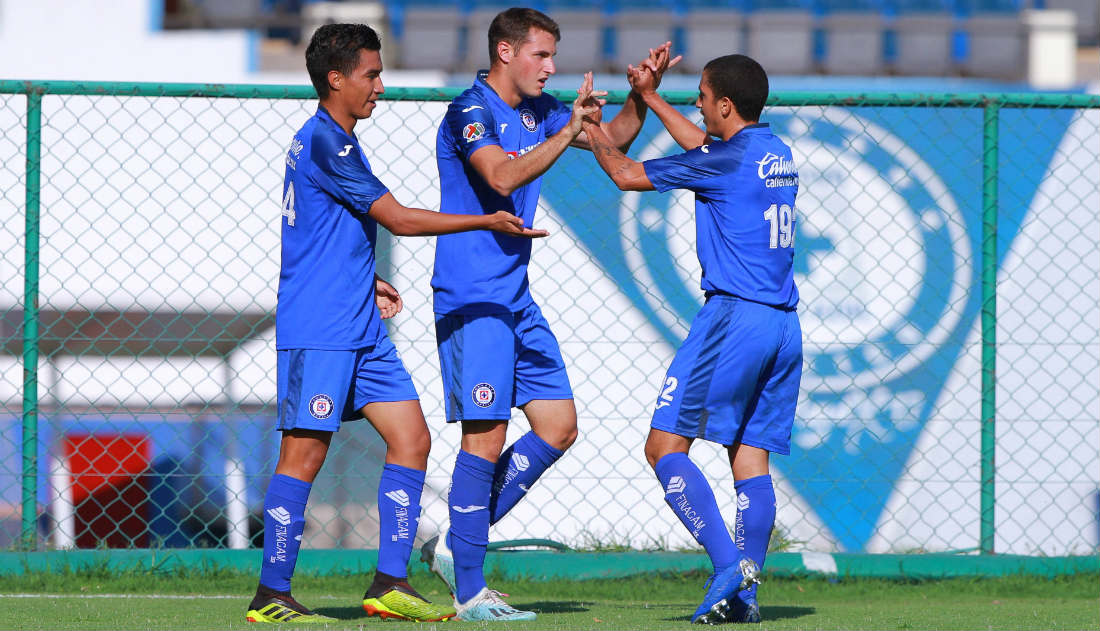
(741,80)
(336,47)
(512,26)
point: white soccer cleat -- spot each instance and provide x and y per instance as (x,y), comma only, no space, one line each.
(438,556)
(488,606)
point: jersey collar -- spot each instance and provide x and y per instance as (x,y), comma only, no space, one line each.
(481,84)
(324,115)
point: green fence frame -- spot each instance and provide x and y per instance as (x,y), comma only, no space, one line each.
(991,105)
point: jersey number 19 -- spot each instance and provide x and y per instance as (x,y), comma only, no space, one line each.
(781,220)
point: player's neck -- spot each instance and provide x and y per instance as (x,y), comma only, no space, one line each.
(504,88)
(732,127)
(341,116)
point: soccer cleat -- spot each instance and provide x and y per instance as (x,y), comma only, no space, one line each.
(743,610)
(488,606)
(280,607)
(403,603)
(724,585)
(438,556)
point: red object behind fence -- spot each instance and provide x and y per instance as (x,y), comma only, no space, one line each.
(109,488)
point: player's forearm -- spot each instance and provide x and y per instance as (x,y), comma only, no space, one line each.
(682,130)
(417,222)
(512,174)
(624,128)
(627,174)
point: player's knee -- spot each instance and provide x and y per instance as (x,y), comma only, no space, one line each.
(654,451)
(560,437)
(567,438)
(411,449)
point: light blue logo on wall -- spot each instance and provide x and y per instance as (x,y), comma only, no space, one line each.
(887,264)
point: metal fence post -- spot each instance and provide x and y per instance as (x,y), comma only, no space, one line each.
(990,122)
(30,322)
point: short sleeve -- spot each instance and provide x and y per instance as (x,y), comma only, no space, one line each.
(471,127)
(342,171)
(692,170)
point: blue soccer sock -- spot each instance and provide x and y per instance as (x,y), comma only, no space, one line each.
(471,487)
(689,495)
(284,522)
(518,468)
(399,492)
(755,519)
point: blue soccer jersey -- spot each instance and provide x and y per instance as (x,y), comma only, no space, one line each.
(745,192)
(482,272)
(326,286)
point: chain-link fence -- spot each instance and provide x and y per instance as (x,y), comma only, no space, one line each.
(947,253)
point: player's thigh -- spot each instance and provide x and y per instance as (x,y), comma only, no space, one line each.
(380,376)
(715,380)
(540,368)
(686,390)
(401,425)
(771,420)
(314,389)
(477,357)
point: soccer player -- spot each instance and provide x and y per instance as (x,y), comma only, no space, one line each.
(335,360)
(496,350)
(735,379)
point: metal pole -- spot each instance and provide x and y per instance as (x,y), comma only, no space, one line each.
(30,323)
(989,322)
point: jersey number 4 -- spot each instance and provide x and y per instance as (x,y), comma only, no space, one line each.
(781,220)
(288,204)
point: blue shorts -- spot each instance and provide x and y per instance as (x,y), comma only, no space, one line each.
(319,389)
(736,377)
(491,363)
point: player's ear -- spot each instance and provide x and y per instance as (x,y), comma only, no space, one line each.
(725,106)
(504,51)
(335,80)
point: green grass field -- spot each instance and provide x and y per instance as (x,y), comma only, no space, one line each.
(216,599)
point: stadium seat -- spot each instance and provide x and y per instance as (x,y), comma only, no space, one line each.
(710,33)
(780,34)
(431,37)
(923,30)
(854,34)
(477,37)
(637,29)
(998,44)
(581,47)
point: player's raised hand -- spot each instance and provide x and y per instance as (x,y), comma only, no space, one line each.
(588,105)
(386,297)
(507,223)
(660,59)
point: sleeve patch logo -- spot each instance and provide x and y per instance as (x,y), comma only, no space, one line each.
(483,395)
(473,131)
(321,406)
